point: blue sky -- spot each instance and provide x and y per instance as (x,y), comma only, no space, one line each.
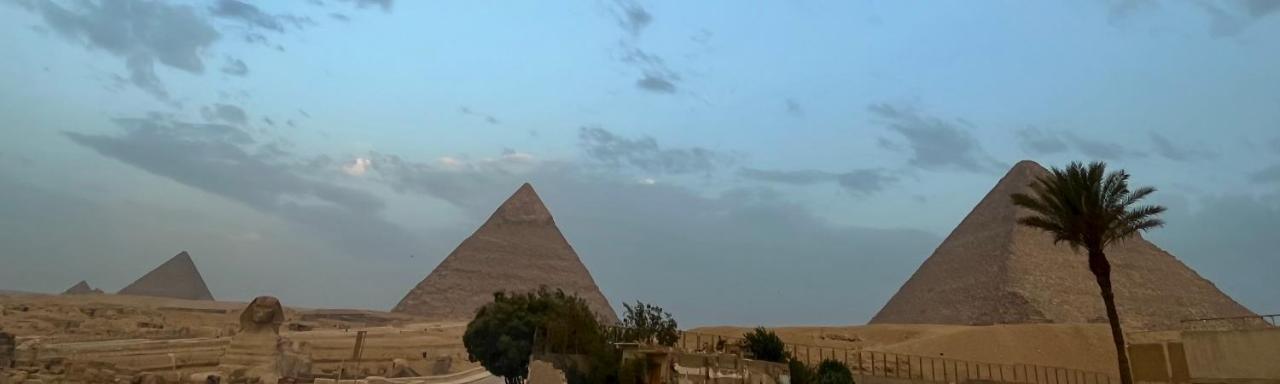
(735,164)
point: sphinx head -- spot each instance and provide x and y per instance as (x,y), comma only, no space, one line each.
(264,314)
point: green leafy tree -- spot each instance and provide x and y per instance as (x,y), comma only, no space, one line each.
(502,335)
(646,323)
(765,345)
(1086,207)
(832,372)
(800,372)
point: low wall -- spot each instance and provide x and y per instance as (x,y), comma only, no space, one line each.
(1233,356)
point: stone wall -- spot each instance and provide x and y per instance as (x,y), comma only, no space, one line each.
(1229,356)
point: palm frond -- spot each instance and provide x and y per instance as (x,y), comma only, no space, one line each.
(1084,205)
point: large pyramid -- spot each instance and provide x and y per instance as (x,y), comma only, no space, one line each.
(518,249)
(993,270)
(176,278)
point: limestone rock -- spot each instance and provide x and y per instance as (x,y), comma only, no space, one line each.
(518,249)
(177,278)
(992,270)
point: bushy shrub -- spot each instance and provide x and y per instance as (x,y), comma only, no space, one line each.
(764,345)
(646,323)
(501,336)
(832,372)
(800,373)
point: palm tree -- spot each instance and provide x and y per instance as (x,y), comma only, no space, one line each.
(1086,207)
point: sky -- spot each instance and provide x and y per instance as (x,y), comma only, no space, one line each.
(781,163)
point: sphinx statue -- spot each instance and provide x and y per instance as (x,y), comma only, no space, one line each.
(257,353)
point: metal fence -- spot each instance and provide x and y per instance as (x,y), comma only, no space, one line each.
(911,367)
(1232,323)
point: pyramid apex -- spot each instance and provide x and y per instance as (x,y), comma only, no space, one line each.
(1027,164)
(524,206)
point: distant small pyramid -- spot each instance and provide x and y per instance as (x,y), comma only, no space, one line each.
(176,278)
(518,249)
(992,270)
(81,288)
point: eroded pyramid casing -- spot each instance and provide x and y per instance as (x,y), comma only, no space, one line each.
(992,270)
(518,249)
(177,278)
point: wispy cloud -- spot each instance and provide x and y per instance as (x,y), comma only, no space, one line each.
(141,33)
(644,153)
(1166,148)
(858,182)
(936,144)
(227,161)
(235,67)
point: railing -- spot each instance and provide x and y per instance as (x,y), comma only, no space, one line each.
(863,362)
(1232,323)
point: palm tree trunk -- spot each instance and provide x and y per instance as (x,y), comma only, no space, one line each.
(1101,269)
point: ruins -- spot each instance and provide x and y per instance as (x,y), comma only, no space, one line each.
(518,249)
(177,278)
(992,270)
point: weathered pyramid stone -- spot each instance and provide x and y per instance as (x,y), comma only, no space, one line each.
(993,270)
(176,278)
(518,249)
(81,288)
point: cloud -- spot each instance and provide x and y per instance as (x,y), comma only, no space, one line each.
(235,67)
(1269,174)
(1038,142)
(762,247)
(1168,150)
(358,166)
(140,32)
(340,17)
(485,116)
(225,113)
(227,161)
(936,144)
(655,75)
(631,16)
(248,13)
(1102,150)
(1119,10)
(384,4)
(794,108)
(1228,19)
(656,82)
(859,182)
(644,153)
